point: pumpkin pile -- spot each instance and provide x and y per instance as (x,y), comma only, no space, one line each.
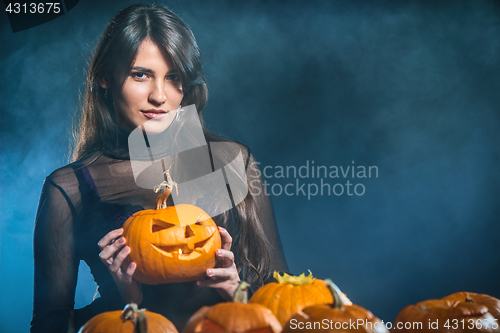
(300,304)
(171,244)
(130,320)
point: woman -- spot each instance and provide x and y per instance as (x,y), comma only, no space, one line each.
(146,69)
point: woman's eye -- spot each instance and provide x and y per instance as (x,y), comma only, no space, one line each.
(174,77)
(139,75)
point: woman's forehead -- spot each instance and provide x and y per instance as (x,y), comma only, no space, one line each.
(152,56)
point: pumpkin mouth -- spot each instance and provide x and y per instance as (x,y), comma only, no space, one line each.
(183,249)
(186,251)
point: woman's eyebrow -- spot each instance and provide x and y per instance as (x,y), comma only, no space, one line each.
(147,70)
(142,69)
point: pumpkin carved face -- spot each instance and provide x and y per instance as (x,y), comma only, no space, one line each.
(173,244)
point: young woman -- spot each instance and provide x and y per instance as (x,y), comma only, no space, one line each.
(145,70)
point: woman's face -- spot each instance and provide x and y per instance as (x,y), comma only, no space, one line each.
(151,93)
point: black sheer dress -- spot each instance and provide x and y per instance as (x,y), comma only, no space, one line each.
(82,202)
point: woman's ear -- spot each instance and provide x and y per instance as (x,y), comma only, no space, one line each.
(104,83)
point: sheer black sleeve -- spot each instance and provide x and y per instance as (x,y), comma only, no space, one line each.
(56,264)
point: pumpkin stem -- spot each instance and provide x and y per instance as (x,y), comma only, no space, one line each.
(129,313)
(165,189)
(469,299)
(241,294)
(337,299)
(295,280)
(161,199)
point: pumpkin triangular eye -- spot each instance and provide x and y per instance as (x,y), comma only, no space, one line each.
(159,225)
(189,232)
(204,222)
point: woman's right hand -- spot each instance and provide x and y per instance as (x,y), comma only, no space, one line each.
(113,252)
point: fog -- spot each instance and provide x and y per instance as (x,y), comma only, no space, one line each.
(411,88)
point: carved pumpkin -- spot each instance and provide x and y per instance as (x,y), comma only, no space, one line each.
(334,317)
(234,317)
(291,294)
(454,313)
(172,244)
(130,320)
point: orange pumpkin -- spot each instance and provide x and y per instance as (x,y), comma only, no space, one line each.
(291,294)
(234,317)
(172,244)
(492,303)
(130,320)
(454,313)
(335,317)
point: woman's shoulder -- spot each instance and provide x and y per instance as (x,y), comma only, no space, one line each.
(66,177)
(61,185)
(62,175)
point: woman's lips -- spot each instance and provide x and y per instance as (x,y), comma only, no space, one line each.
(154,114)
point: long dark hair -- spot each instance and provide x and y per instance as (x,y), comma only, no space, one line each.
(96,128)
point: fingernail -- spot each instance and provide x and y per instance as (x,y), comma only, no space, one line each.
(209,272)
(121,240)
(218,252)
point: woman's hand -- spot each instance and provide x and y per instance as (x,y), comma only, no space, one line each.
(224,277)
(113,253)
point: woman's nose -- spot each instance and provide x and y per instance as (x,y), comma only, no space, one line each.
(157,95)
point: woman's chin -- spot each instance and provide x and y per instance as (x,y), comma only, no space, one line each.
(157,126)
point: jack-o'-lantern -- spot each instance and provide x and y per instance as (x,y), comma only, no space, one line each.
(234,317)
(455,313)
(130,320)
(291,294)
(336,317)
(171,244)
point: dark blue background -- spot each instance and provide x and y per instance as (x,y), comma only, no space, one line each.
(411,87)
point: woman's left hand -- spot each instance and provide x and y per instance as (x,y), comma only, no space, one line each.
(224,277)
